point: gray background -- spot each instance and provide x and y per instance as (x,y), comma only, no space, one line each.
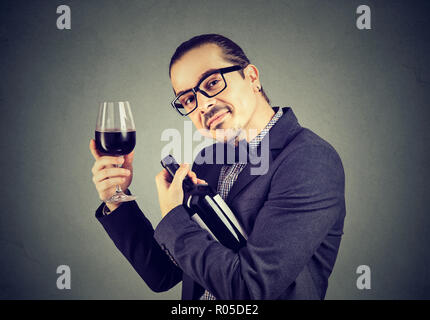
(365,92)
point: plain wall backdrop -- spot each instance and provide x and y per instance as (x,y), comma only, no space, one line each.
(364,91)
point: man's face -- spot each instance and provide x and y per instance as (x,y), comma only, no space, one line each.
(232,108)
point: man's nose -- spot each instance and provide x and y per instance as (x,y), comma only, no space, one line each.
(204,102)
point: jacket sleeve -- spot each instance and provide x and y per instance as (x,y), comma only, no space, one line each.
(133,235)
(305,200)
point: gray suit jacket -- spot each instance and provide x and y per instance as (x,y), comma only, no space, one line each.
(293,216)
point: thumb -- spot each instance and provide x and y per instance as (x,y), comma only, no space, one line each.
(180,175)
(93,149)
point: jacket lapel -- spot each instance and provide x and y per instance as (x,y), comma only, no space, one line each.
(210,168)
(285,129)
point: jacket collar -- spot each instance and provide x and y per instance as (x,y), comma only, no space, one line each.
(278,137)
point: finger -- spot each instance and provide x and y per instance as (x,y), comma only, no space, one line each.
(110,173)
(163,179)
(105,161)
(193,176)
(128,159)
(201,181)
(109,183)
(93,149)
(180,175)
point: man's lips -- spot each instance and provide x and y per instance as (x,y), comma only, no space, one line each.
(216,117)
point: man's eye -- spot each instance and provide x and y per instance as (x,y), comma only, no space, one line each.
(212,83)
(188,100)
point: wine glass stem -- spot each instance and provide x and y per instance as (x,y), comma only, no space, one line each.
(118,187)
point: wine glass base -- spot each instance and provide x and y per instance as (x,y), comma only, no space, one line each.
(120,197)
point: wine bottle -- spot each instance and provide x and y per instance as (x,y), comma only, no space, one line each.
(209,210)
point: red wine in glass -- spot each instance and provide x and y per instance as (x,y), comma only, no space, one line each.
(115,135)
(115,142)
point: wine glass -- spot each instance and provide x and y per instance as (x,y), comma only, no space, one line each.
(115,135)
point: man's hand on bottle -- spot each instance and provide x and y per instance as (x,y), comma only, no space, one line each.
(170,193)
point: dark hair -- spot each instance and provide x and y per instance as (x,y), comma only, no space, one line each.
(231,51)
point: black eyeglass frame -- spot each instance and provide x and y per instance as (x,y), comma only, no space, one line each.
(196,89)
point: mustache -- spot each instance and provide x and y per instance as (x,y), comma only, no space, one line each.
(214,110)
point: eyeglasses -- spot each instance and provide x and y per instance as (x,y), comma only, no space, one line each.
(210,86)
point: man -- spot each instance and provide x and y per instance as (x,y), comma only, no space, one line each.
(292,213)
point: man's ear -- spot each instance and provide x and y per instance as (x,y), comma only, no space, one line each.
(252,74)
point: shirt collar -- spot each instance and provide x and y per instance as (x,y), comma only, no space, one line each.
(254,143)
(244,147)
